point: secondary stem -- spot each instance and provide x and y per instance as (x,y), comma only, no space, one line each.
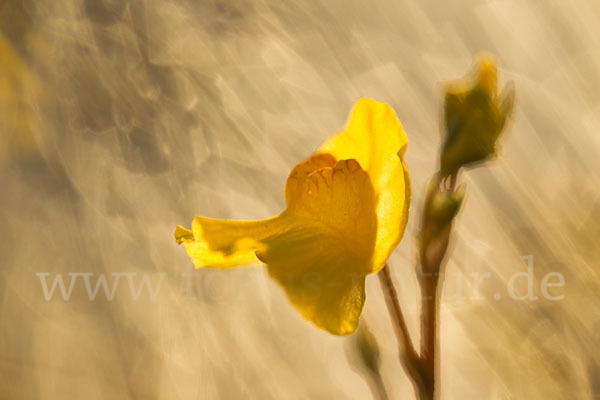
(408,355)
(377,386)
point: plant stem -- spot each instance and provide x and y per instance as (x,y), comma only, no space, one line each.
(432,255)
(377,386)
(429,328)
(408,356)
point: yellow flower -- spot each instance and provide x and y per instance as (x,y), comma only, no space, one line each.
(347,208)
(475,115)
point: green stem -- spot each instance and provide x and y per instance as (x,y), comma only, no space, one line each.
(432,255)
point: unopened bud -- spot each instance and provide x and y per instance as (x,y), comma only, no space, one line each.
(475,116)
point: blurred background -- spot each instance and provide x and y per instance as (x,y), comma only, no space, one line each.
(120,119)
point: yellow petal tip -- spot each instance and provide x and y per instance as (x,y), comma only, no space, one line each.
(183,235)
(487,74)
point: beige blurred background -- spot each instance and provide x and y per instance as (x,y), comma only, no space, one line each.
(120,119)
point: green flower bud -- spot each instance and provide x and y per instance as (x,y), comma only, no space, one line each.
(441,207)
(368,348)
(475,116)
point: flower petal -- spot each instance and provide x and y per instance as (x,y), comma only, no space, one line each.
(301,171)
(224,244)
(322,260)
(376,139)
(341,199)
(321,277)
